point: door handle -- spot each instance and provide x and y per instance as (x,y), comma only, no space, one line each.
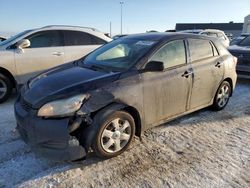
(218,64)
(57,53)
(186,74)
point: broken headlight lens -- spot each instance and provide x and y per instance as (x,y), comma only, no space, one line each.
(62,107)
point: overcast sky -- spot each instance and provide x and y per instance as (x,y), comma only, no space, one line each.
(138,15)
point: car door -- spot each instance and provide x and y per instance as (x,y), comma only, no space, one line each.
(166,93)
(79,44)
(208,71)
(45,51)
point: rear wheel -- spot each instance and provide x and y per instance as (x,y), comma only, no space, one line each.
(114,135)
(5,88)
(222,96)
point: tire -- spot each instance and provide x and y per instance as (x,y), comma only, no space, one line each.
(5,88)
(115,134)
(222,96)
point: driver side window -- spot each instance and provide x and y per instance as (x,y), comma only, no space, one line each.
(45,39)
(172,54)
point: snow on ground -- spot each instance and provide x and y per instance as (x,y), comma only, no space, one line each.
(203,149)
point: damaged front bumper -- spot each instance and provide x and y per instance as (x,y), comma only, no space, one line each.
(49,138)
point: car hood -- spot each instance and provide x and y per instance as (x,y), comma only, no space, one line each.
(236,48)
(63,82)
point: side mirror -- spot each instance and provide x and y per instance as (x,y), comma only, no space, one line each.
(24,43)
(154,66)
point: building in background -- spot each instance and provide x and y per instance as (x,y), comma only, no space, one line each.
(246,26)
(231,28)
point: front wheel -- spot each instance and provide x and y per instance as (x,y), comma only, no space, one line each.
(114,135)
(222,96)
(5,88)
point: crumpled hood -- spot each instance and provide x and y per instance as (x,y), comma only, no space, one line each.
(63,82)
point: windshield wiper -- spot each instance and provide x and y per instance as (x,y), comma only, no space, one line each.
(99,67)
(96,67)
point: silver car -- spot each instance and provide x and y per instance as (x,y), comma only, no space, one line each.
(30,52)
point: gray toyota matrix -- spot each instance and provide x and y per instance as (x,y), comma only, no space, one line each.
(103,100)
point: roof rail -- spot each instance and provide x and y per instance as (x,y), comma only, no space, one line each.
(90,28)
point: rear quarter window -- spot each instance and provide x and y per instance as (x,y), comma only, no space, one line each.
(97,40)
(77,38)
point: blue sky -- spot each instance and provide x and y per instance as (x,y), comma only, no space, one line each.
(138,15)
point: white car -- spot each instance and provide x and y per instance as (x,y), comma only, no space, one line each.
(212,33)
(33,51)
(218,34)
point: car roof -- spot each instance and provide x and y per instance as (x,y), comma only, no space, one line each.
(191,31)
(89,30)
(165,36)
(69,27)
(214,30)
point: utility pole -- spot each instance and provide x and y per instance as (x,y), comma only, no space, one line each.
(110,29)
(121,3)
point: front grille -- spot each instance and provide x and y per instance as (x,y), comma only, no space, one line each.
(25,105)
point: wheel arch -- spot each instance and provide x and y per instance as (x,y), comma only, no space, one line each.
(129,109)
(9,75)
(88,133)
(229,80)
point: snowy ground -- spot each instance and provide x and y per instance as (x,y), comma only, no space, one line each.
(203,149)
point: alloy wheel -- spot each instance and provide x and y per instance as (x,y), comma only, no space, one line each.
(116,135)
(3,88)
(223,96)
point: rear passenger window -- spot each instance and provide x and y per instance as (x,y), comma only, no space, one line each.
(200,49)
(172,54)
(77,38)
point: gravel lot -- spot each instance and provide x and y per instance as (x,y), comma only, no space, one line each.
(203,149)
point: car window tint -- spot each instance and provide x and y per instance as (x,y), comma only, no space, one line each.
(245,42)
(45,39)
(97,41)
(199,49)
(77,38)
(172,54)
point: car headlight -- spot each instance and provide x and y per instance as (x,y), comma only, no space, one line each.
(62,107)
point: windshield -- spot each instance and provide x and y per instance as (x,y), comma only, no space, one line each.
(237,40)
(245,42)
(119,55)
(14,37)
